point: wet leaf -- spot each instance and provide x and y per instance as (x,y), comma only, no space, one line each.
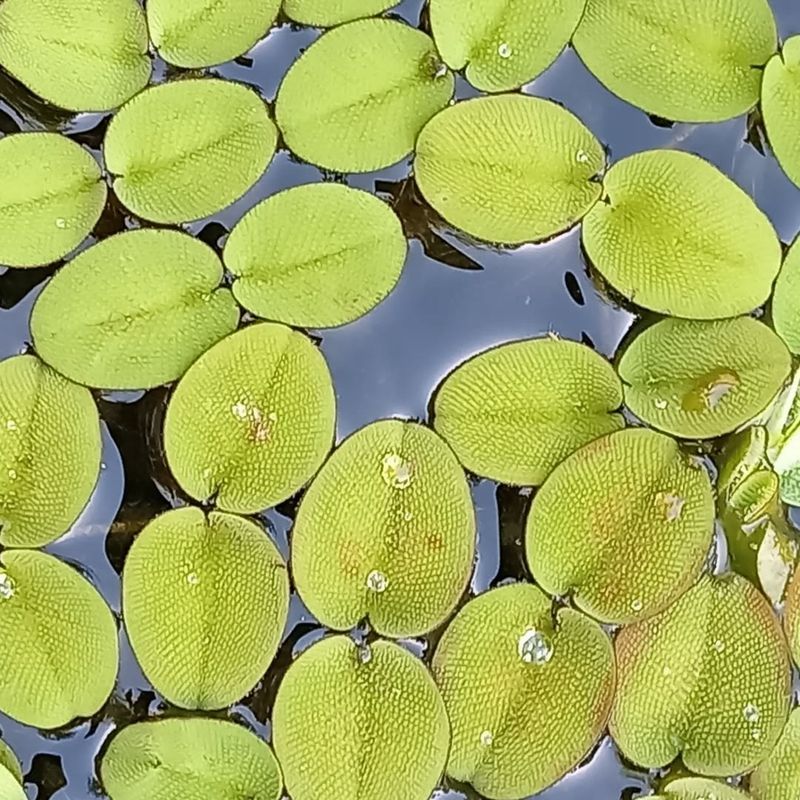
(791,617)
(699,789)
(10,763)
(341,263)
(708,679)
(778,777)
(10,786)
(786,299)
(186,149)
(503,43)
(58,642)
(199,33)
(690,62)
(189,758)
(623,525)
(375,83)
(509,169)
(676,236)
(697,379)
(252,420)
(527,695)
(386,531)
(205,601)
(326,13)
(513,412)
(49,452)
(780,105)
(51,195)
(363,723)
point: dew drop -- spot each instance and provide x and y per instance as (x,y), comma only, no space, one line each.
(653,48)
(710,390)
(11,425)
(673,505)
(660,404)
(397,472)
(408,516)
(504,50)
(666,672)
(719,646)
(637,605)
(441,70)
(192,579)
(103,465)
(364,653)
(239,410)
(487,737)
(534,647)
(6,586)
(12,474)
(61,223)
(582,157)
(756,733)
(377,582)
(207,473)
(751,713)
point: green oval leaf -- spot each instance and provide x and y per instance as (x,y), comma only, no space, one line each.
(205,600)
(134,311)
(527,695)
(341,263)
(778,777)
(780,106)
(503,43)
(58,642)
(10,763)
(676,236)
(691,62)
(189,758)
(375,83)
(327,13)
(386,531)
(708,679)
(699,789)
(199,33)
(86,56)
(49,452)
(786,299)
(623,525)
(252,420)
(509,169)
(51,195)
(698,379)
(364,723)
(791,617)
(513,412)
(186,149)
(10,787)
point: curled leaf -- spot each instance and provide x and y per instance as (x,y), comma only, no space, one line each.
(780,106)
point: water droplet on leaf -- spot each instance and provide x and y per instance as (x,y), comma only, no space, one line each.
(673,505)
(661,404)
(504,50)
(193,579)
(397,472)
(486,739)
(710,389)
(582,157)
(751,713)
(377,582)
(6,586)
(534,647)
(637,605)
(11,425)
(719,646)
(61,223)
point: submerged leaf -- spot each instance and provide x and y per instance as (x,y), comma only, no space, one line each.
(58,642)
(528,695)
(365,723)
(786,299)
(778,777)
(327,13)
(513,412)
(503,43)
(10,762)
(186,149)
(344,259)
(252,420)
(690,62)
(624,525)
(51,195)
(675,235)
(780,106)
(708,679)
(189,758)
(375,83)
(699,789)
(509,169)
(49,452)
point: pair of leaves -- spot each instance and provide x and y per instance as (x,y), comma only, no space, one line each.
(778,777)
(780,101)
(327,13)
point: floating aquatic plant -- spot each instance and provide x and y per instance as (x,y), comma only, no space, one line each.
(786,299)
(11,785)
(327,13)
(778,776)
(10,763)
(791,617)
(699,789)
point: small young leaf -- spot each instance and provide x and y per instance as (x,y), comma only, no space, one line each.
(10,762)
(786,299)
(51,195)
(689,62)
(375,83)
(527,696)
(791,617)
(780,106)
(184,150)
(58,642)
(83,56)
(386,530)
(205,601)
(699,789)
(778,777)
(503,43)
(49,452)
(360,723)
(252,420)
(509,169)
(698,379)
(190,758)
(624,525)
(342,262)
(134,311)
(675,235)
(708,679)
(513,412)
(327,13)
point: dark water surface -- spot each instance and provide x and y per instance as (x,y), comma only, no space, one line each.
(454,299)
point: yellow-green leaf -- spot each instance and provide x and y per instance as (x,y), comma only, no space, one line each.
(363,723)
(708,679)
(509,169)
(791,617)
(252,420)
(786,299)
(205,601)
(623,525)
(778,777)
(375,83)
(675,235)
(780,106)
(186,149)
(343,261)
(691,62)
(699,789)
(528,694)
(513,412)
(10,787)
(326,13)
(386,531)
(10,763)
(49,452)
(58,642)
